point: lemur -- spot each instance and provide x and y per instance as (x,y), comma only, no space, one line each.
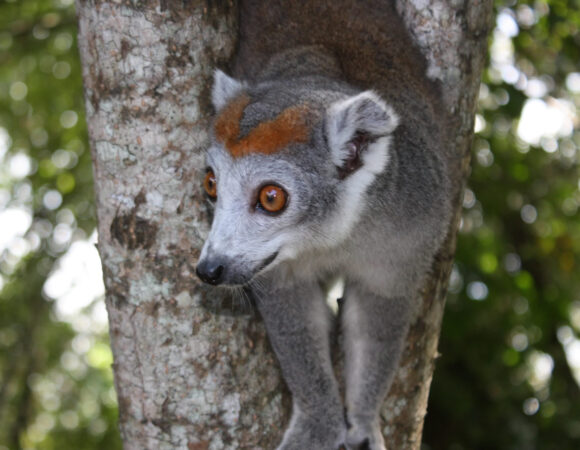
(317,171)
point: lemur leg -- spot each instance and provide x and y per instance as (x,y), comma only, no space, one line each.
(374,330)
(299,326)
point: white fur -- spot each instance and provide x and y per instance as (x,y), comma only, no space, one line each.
(224,89)
(356,349)
(344,119)
(355,185)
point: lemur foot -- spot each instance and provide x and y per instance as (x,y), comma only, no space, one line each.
(364,437)
(308,434)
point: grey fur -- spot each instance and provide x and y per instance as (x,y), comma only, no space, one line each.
(378,228)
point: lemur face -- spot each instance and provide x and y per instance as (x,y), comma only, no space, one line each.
(286,174)
(259,208)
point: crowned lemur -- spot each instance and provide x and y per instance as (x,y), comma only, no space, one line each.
(326,160)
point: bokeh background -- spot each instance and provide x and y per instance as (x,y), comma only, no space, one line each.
(509,373)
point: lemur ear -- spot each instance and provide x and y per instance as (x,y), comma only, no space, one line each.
(224,89)
(358,130)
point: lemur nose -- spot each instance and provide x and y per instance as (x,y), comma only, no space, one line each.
(210,271)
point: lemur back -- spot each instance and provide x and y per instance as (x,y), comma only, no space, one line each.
(325,162)
(367,37)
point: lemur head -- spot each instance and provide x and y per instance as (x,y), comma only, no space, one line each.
(288,167)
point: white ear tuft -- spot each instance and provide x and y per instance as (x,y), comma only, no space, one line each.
(224,89)
(355,124)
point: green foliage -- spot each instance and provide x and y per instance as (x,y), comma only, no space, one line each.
(56,388)
(503,381)
(506,378)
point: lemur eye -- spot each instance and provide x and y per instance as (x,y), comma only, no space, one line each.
(272,198)
(210,184)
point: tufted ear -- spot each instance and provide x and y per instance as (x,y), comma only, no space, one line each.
(224,89)
(358,130)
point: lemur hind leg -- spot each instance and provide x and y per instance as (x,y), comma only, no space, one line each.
(374,331)
(299,326)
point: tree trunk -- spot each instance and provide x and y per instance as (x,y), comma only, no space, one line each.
(186,377)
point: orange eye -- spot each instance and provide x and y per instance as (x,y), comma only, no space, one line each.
(272,198)
(210,184)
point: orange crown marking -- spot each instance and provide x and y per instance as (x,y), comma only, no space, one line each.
(290,126)
(227,125)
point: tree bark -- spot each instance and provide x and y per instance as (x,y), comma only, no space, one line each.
(187,378)
(453,37)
